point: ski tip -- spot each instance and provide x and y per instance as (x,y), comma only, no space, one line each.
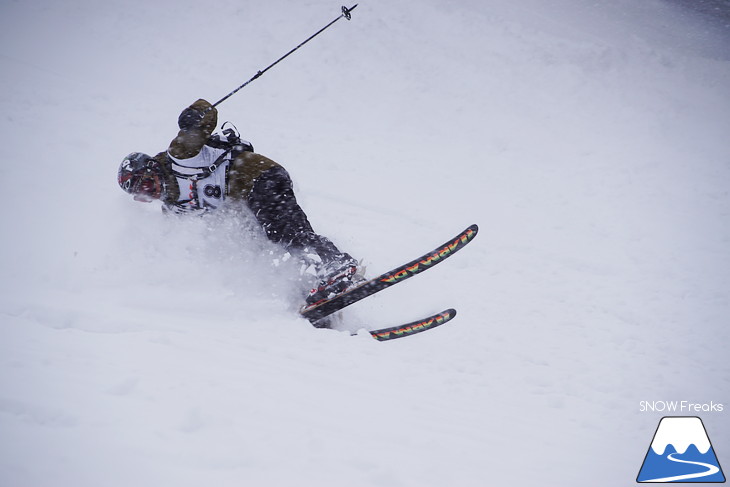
(415,327)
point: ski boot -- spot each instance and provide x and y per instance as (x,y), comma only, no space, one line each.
(337,278)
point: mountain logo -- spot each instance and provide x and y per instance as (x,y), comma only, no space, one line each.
(681,452)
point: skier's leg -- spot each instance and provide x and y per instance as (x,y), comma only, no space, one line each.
(273,203)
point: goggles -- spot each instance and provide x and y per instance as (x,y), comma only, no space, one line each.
(145,187)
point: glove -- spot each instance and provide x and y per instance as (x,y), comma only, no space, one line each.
(190,118)
(196,115)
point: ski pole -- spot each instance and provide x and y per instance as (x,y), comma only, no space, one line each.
(345,13)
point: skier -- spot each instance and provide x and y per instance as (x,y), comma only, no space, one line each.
(200,171)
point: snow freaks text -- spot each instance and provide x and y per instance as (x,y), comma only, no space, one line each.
(681,407)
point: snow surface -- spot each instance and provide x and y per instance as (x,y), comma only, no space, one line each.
(589,140)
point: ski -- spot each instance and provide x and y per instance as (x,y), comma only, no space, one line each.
(319,310)
(409,329)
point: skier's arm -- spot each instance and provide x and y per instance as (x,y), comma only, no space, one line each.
(196,123)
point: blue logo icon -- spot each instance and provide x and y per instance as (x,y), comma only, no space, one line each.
(681,452)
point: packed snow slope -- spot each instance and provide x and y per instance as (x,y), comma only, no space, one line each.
(589,140)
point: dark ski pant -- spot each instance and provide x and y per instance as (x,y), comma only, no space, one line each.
(273,203)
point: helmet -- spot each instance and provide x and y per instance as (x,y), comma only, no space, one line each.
(141,175)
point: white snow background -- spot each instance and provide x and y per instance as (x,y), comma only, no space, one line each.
(589,140)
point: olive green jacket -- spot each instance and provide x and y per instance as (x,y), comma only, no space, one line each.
(243,170)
